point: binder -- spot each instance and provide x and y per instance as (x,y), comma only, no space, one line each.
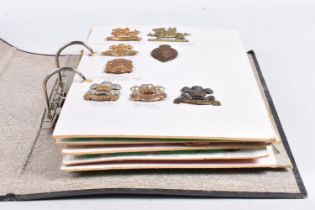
(30,160)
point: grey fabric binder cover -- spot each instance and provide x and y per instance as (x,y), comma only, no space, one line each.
(30,161)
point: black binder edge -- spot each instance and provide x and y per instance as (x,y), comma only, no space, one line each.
(183,193)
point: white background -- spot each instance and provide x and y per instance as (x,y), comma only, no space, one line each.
(282,33)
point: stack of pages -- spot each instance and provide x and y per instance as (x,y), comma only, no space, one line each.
(129,134)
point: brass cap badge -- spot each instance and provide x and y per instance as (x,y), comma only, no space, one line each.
(168,35)
(105,91)
(119,66)
(124,34)
(197,95)
(164,53)
(148,92)
(120,50)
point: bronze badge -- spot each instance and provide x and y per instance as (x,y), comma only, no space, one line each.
(164,53)
(168,35)
(105,91)
(119,66)
(147,92)
(197,95)
(124,34)
(120,50)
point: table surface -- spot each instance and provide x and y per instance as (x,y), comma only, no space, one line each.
(282,33)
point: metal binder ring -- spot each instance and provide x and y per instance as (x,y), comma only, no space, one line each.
(64,47)
(69,44)
(57,71)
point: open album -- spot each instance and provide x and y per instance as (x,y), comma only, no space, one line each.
(151,111)
(165,98)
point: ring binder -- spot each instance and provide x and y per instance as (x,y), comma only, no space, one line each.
(28,177)
(59,93)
